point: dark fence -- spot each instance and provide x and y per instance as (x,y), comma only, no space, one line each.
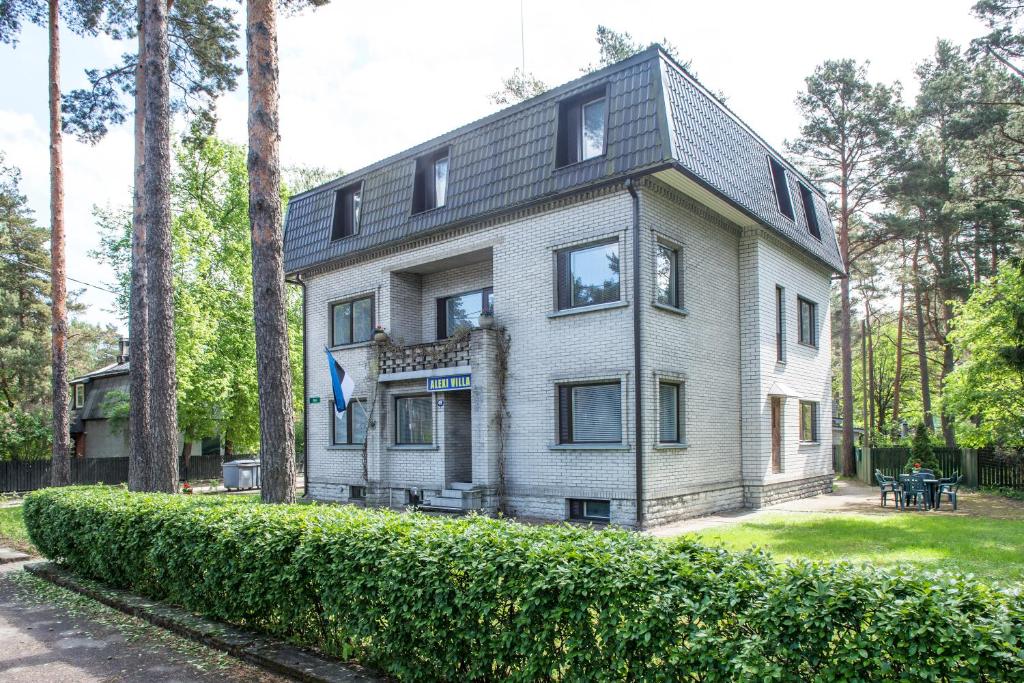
(892,460)
(29,475)
(1005,470)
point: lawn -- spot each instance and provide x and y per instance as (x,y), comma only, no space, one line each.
(989,548)
(12,530)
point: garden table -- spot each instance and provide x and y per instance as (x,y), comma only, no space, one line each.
(933,488)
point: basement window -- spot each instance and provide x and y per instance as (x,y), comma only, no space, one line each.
(812,216)
(357,493)
(781,188)
(590,510)
(582,121)
(347,201)
(431,182)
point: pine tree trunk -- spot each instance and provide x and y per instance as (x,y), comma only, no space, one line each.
(138,334)
(898,379)
(277,425)
(864,391)
(922,349)
(60,471)
(163,410)
(872,387)
(846,346)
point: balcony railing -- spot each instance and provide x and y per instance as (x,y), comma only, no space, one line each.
(444,353)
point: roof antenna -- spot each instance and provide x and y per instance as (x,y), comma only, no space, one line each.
(522,35)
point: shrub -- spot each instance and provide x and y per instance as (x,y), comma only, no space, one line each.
(921,451)
(25,435)
(473,599)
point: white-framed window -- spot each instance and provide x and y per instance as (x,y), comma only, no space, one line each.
(592,137)
(808,421)
(352,321)
(430,190)
(590,413)
(671,412)
(808,315)
(79,395)
(588,274)
(414,420)
(349,426)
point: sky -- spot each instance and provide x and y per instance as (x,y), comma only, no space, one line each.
(362,81)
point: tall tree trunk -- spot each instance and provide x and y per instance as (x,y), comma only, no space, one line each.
(898,379)
(865,390)
(138,333)
(846,346)
(872,384)
(277,424)
(60,471)
(163,409)
(922,349)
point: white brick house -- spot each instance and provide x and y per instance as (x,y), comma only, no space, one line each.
(642,253)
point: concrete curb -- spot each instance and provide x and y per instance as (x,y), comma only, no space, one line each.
(264,652)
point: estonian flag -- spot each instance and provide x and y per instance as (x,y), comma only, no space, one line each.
(342,383)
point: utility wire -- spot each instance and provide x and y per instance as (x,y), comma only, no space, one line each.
(41,269)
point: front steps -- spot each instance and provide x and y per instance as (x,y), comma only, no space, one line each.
(459,497)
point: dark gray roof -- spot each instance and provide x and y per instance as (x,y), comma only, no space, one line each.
(658,116)
(106,371)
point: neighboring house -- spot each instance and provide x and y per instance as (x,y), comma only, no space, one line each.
(642,251)
(93,433)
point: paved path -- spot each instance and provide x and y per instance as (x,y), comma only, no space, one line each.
(51,634)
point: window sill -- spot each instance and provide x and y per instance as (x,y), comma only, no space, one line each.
(414,447)
(588,309)
(678,446)
(353,345)
(670,308)
(345,447)
(809,346)
(582,162)
(589,447)
(810,443)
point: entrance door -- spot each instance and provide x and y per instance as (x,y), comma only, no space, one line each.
(776,434)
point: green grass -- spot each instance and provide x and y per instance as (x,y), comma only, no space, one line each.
(12,529)
(989,548)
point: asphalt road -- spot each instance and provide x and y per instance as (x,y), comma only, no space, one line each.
(49,634)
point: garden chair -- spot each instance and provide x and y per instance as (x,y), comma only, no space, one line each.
(948,489)
(887,485)
(915,489)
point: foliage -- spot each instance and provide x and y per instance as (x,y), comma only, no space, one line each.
(614,46)
(212,252)
(25,435)
(429,599)
(987,388)
(521,85)
(1012,494)
(921,451)
(12,529)
(115,408)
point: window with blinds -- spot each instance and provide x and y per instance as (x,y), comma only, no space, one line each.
(670,412)
(590,413)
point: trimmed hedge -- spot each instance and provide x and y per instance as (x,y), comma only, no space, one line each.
(474,599)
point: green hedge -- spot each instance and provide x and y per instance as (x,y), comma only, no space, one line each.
(475,599)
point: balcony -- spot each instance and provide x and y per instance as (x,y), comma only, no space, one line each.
(444,353)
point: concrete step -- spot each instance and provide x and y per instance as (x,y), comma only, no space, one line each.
(455,493)
(444,502)
(461,486)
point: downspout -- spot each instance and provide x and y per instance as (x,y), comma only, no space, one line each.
(637,383)
(305,386)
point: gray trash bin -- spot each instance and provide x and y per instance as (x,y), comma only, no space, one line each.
(242,474)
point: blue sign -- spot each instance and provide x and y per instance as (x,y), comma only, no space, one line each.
(449,383)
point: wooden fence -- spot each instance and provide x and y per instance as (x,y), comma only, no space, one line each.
(1004,470)
(29,475)
(892,460)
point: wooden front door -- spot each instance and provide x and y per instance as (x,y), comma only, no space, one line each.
(776,434)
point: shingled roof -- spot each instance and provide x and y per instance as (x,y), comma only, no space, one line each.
(659,118)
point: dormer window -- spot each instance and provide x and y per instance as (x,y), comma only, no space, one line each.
(347,203)
(812,216)
(582,121)
(431,181)
(79,396)
(781,188)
